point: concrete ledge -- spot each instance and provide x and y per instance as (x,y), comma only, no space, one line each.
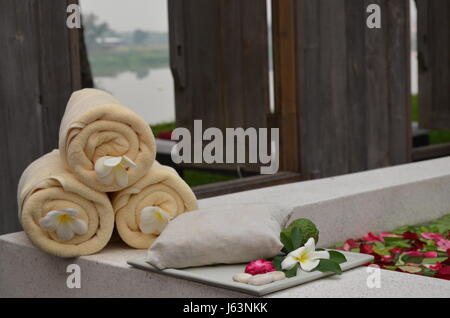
(345,206)
(27,272)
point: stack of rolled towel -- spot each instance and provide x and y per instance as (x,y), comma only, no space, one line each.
(103,174)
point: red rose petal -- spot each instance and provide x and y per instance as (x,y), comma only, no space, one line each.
(366,248)
(410,236)
(396,250)
(370,237)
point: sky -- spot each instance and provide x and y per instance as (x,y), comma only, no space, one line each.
(128,15)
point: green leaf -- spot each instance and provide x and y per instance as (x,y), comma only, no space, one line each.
(428,242)
(405,244)
(434,260)
(410,269)
(355,250)
(381,251)
(405,258)
(412,259)
(276,262)
(286,240)
(428,272)
(429,248)
(380,245)
(296,238)
(389,239)
(391,267)
(292,272)
(329,266)
(402,229)
(337,257)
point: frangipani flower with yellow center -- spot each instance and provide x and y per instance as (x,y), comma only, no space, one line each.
(153,220)
(110,168)
(64,223)
(306,256)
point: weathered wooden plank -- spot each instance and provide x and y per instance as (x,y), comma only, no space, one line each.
(423,44)
(81,76)
(244,184)
(21,109)
(399,75)
(225,62)
(55,75)
(333,101)
(377,102)
(231,64)
(308,59)
(430,152)
(35,83)
(322,70)
(255,64)
(434,63)
(177,44)
(225,45)
(203,60)
(354,86)
(179,37)
(285,82)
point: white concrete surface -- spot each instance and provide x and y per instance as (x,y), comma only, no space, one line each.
(27,272)
(345,206)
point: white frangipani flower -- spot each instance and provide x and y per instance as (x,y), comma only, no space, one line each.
(153,220)
(64,223)
(306,256)
(110,168)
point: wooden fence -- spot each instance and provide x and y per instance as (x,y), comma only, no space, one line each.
(354,86)
(37,57)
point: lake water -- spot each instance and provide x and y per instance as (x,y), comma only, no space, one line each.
(151,96)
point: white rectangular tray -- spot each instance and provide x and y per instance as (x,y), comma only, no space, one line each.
(221,275)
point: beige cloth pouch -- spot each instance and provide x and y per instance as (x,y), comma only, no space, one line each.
(230,234)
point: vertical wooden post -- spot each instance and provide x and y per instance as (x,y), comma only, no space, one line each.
(285,82)
(37,76)
(433,39)
(219,60)
(354,86)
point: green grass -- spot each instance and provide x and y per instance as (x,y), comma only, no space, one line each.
(436,136)
(195,177)
(169,126)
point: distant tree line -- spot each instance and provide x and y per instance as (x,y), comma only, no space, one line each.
(95,30)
